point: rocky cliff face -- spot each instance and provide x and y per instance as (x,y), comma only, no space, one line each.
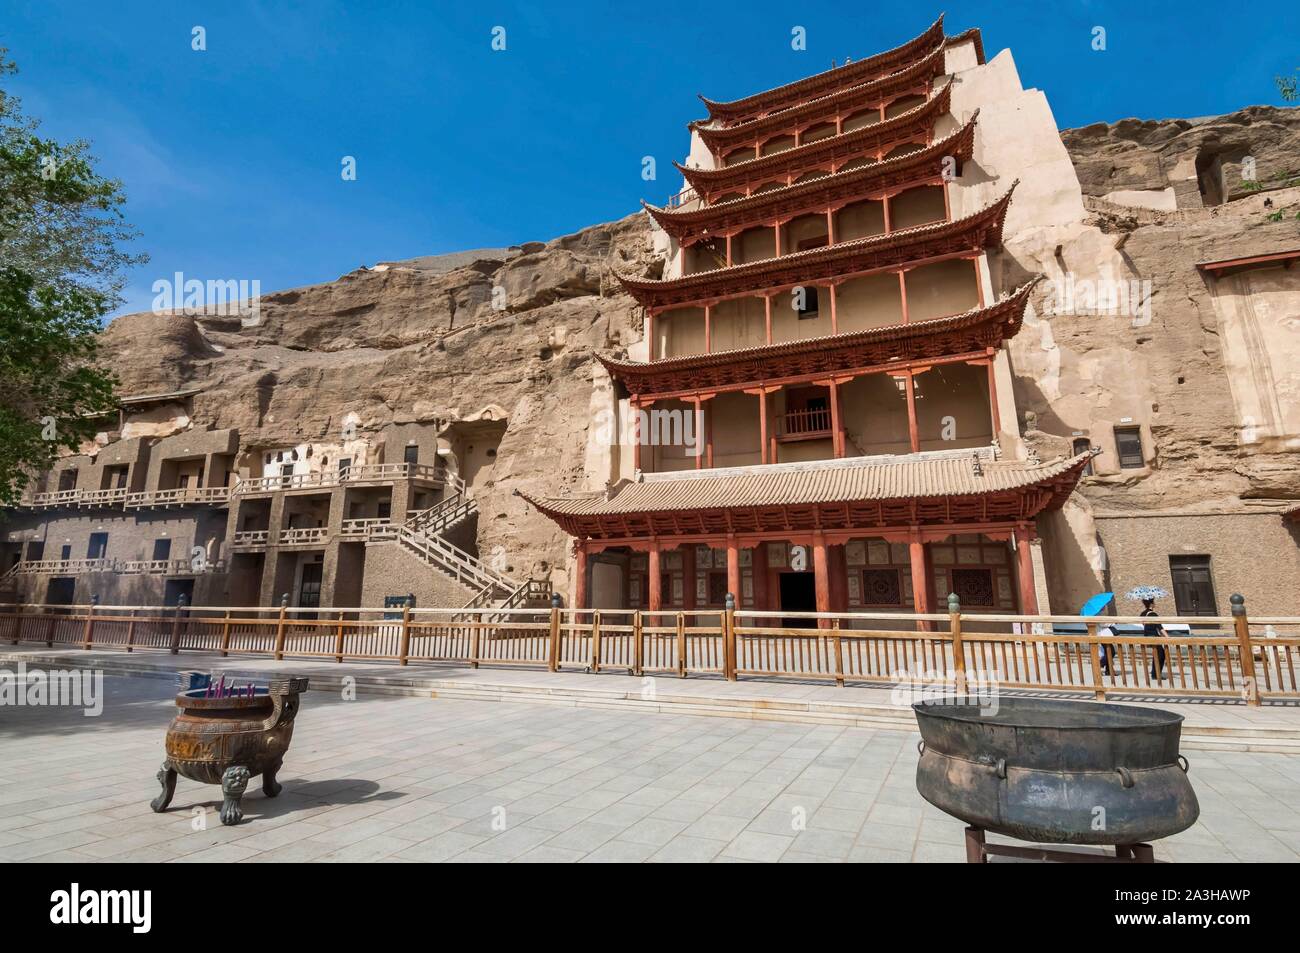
(416,342)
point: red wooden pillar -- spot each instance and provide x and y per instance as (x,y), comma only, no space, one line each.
(767,316)
(688,578)
(1025,570)
(762,425)
(913,430)
(993,398)
(635,408)
(835,321)
(902,295)
(885,203)
(700,428)
(708,328)
(830,226)
(656,594)
(777,226)
(837,421)
(920,590)
(728,249)
(580,575)
(650,335)
(733,567)
(821,578)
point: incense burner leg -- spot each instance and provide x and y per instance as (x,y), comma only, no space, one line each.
(271,787)
(233,783)
(166,778)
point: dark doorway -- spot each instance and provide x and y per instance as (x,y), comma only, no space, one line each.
(799,594)
(61,591)
(309,591)
(176,588)
(1193,585)
(98,546)
(411,454)
(162,549)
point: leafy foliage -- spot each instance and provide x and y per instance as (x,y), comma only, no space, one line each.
(62,267)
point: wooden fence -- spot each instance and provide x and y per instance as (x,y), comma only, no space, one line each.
(1231,657)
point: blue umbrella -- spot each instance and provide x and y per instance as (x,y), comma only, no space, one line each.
(1142,593)
(1096,603)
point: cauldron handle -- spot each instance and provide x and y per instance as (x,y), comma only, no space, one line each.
(920,746)
(1125,776)
(1002,768)
(1184,763)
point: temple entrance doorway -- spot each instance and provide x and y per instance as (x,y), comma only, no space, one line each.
(798,594)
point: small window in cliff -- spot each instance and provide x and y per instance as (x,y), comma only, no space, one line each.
(1083,445)
(1128,446)
(1218,172)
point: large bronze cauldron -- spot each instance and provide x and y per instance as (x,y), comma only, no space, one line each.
(1056,772)
(228,740)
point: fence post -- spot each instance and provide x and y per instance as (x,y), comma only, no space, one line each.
(18,623)
(1095,649)
(681,645)
(404,643)
(338,639)
(1245,650)
(225,635)
(130,632)
(958,653)
(88,635)
(553,642)
(279,627)
(176,625)
(839,652)
(49,632)
(729,638)
(638,636)
(595,641)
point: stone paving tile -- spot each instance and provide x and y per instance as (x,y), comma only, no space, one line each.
(409,780)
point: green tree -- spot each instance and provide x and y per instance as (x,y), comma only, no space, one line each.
(62,268)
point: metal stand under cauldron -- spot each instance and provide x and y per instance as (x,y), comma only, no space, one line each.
(1056,772)
(227,736)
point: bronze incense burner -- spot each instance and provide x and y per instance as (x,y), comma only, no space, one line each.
(227,735)
(1054,771)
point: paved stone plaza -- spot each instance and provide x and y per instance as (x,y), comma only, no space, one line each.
(418,779)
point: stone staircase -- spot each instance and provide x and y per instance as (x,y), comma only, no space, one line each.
(425,536)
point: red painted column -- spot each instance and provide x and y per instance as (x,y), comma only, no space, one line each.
(830,226)
(700,428)
(1025,571)
(913,431)
(821,578)
(777,226)
(688,578)
(767,316)
(835,321)
(708,328)
(635,409)
(920,591)
(580,575)
(993,399)
(728,250)
(650,334)
(762,425)
(837,421)
(656,582)
(733,567)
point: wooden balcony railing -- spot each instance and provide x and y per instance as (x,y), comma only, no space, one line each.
(1231,658)
(371,528)
(371,473)
(304,535)
(113,497)
(804,424)
(180,496)
(250,537)
(169,567)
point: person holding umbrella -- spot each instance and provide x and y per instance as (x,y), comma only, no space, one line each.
(1148,595)
(1093,607)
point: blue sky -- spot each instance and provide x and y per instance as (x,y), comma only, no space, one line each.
(232,156)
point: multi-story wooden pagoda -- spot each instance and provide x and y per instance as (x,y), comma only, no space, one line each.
(822,405)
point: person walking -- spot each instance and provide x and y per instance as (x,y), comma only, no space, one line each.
(1148,595)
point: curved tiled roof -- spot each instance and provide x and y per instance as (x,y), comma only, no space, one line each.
(753,207)
(977,328)
(810,153)
(820,264)
(837,78)
(922,71)
(810,484)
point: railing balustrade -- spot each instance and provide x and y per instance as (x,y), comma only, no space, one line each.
(1230,657)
